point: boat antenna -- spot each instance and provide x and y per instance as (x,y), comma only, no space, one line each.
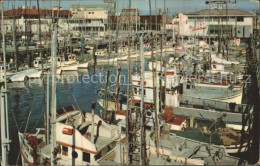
(5,141)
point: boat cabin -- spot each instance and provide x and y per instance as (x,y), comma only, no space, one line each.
(2,67)
(73,136)
(72,57)
(81,139)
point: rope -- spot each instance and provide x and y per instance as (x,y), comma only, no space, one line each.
(76,101)
(16,124)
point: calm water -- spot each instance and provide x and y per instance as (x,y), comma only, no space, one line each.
(29,98)
(73,88)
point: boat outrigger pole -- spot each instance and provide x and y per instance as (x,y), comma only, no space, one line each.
(5,141)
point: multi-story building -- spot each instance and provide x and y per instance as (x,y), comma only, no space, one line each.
(218,22)
(87,19)
(26,19)
(138,21)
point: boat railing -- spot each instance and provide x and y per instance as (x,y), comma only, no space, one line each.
(212,104)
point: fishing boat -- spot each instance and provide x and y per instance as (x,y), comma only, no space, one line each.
(38,63)
(23,76)
(179,150)
(70,65)
(81,138)
(219,91)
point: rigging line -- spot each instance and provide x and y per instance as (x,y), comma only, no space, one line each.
(9,101)
(23,137)
(39,116)
(18,157)
(76,102)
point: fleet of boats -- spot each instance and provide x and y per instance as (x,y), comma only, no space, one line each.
(186,106)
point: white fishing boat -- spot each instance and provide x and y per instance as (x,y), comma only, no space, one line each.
(219,91)
(24,75)
(81,138)
(71,65)
(178,150)
(38,63)
(101,52)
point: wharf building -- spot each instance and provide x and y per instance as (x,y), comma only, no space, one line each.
(215,22)
(26,19)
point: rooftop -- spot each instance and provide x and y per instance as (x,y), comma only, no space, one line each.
(219,12)
(106,6)
(34,12)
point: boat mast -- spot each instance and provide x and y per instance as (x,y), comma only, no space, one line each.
(46,115)
(142,111)
(48,109)
(14,44)
(128,94)
(218,29)
(54,87)
(150,9)
(154,73)
(227,28)
(93,104)
(154,68)
(164,17)
(155,8)
(4,105)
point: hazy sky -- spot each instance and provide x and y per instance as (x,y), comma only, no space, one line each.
(173,6)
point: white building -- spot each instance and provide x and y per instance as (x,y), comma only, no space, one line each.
(28,19)
(87,19)
(212,22)
(90,21)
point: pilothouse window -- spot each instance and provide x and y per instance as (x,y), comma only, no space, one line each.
(65,150)
(86,157)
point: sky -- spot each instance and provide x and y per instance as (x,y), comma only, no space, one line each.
(173,6)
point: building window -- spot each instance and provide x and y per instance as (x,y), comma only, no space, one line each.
(86,157)
(89,12)
(240,19)
(92,12)
(135,90)
(144,92)
(65,150)
(215,19)
(188,87)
